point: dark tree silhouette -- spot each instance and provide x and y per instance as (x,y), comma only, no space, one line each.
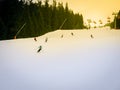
(39,18)
(118,21)
(9,12)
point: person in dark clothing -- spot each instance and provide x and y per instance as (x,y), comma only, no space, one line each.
(46,39)
(40,48)
(61,36)
(91,36)
(35,39)
(72,34)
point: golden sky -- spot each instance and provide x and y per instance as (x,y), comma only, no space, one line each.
(94,9)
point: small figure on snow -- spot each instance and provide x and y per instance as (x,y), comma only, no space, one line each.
(35,39)
(14,37)
(91,36)
(40,48)
(61,36)
(46,39)
(72,34)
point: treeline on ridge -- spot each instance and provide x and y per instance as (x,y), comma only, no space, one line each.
(28,19)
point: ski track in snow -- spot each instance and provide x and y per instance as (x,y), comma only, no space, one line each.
(71,62)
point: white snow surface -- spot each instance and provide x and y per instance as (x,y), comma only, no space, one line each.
(76,62)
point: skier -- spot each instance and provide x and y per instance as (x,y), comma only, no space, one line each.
(91,36)
(14,37)
(35,39)
(46,39)
(40,48)
(61,36)
(72,34)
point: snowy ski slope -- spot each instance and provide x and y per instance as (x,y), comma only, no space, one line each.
(68,60)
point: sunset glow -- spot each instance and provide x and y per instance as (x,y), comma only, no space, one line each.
(94,9)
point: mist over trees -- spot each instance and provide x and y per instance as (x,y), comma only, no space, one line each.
(38,18)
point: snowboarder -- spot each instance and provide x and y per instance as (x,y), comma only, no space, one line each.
(40,48)
(91,36)
(35,39)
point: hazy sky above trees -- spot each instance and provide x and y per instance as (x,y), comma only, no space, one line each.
(94,9)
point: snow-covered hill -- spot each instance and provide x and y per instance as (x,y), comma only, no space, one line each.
(69,60)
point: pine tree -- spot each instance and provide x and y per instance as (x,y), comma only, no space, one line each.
(37,18)
(118,21)
(9,11)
